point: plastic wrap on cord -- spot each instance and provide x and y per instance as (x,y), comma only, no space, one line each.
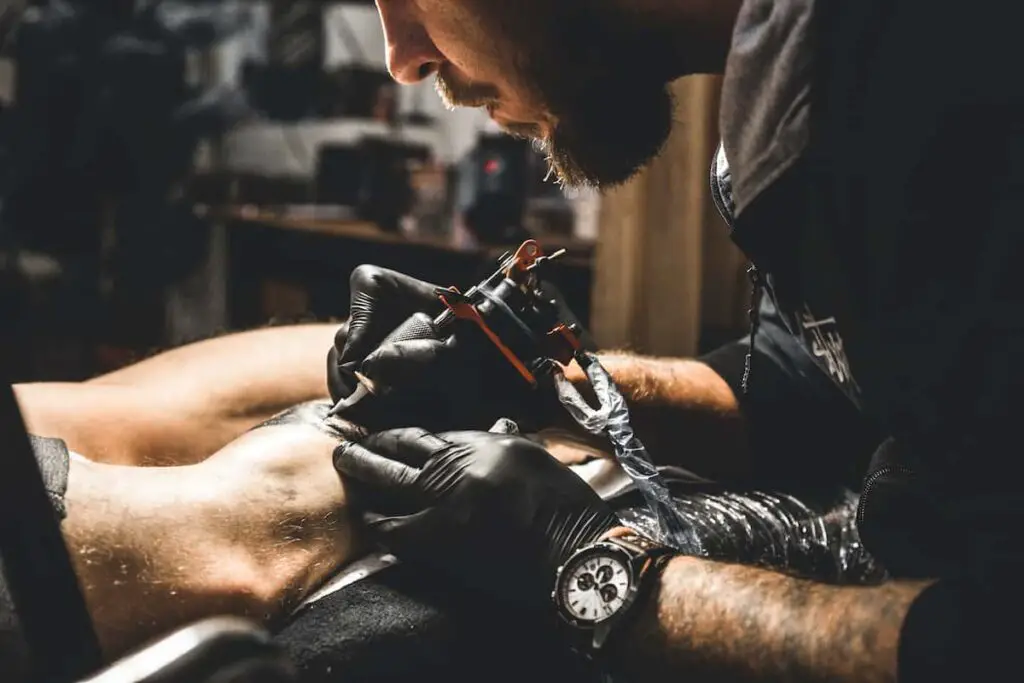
(612,420)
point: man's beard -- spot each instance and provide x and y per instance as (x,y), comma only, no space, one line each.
(604,134)
(456,94)
(605,138)
(606,89)
(601,84)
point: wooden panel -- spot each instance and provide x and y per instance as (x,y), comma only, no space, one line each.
(662,254)
(618,262)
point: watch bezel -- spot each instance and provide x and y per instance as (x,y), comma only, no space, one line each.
(600,549)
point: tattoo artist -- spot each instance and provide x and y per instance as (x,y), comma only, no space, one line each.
(885,231)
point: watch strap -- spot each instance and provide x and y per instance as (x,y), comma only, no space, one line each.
(650,558)
(638,545)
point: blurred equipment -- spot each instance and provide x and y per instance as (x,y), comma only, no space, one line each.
(492,189)
(373,176)
(356,90)
(295,58)
(288,85)
(294,83)
(101,135)
(333,128)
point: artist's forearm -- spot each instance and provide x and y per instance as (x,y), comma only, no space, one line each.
(244,377)
(711,622)
(684,412)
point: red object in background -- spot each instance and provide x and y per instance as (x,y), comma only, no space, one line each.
(492,166)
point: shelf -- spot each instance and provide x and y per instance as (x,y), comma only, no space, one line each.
(290,150)
(578,252)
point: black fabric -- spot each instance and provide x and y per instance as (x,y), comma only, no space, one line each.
(961,630)
(766,92)
(901,226)
(403,624)
(933,625)
(920,257)
(495,513)
(802,429)
(54,460)
(13,649)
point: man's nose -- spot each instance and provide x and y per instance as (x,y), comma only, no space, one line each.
(411,54)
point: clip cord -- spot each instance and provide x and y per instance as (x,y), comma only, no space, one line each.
(612,420)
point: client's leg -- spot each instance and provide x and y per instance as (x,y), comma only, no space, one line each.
(249,532)
(180,406)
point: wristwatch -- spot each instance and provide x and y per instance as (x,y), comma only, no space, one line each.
(599,584)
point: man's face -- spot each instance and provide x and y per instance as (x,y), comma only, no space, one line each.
(565,73)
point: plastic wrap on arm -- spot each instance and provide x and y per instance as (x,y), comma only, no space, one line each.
(810,535)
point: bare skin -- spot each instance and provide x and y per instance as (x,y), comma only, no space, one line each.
(223,520)
(728,622)
(182,405)
(249,532)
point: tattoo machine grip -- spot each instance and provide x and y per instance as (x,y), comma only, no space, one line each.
(417,326)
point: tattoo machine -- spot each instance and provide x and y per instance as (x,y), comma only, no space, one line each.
(536,337)
(511,310)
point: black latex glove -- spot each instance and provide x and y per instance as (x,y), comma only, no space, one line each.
(494,512)
(380,301)
(462,382)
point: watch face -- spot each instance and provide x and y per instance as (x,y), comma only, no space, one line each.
(594,587)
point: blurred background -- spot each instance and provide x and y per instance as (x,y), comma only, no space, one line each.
(171,170)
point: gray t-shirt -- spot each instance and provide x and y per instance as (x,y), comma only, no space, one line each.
(766,94)
(765,124)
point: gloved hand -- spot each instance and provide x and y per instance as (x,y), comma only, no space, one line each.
(379,302)
(495,512)
(462,382)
